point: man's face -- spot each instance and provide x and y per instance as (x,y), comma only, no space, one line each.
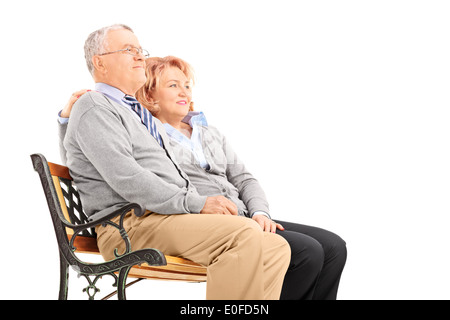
(121,69)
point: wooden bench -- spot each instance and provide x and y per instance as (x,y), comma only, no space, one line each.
(75,233)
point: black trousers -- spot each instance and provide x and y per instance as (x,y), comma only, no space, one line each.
(318,257)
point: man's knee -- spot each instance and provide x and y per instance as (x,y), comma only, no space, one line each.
(278,249)
(252,235)
(283,245)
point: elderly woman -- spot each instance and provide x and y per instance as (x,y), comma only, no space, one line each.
(204,154)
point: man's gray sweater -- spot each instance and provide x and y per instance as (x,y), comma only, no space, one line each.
(114,160)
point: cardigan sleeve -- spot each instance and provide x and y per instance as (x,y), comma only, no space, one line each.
(250,190)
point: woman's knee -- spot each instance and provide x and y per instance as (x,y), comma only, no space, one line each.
(307,253)
(337,250)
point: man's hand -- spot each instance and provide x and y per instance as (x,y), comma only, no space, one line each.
(267,224)
(219,205)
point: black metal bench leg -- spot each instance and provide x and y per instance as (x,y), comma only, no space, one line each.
(64,278)
(121,283)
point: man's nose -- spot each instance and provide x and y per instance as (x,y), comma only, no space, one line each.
(139,57)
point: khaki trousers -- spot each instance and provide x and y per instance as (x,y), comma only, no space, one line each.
(243,262)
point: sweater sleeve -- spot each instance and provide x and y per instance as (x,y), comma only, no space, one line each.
(250,190)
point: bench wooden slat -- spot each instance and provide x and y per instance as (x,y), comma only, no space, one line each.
(59,170)
(158,274)
(177,268)
(85,244)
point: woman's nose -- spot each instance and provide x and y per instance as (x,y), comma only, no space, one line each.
(183,92)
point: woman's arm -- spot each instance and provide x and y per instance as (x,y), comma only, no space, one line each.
(250,190)
(65,112)
(62,126)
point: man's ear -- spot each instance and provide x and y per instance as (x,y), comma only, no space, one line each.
(99,64)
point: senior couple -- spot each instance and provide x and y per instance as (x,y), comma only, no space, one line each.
(136,138)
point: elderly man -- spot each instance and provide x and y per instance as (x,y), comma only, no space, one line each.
(118,153)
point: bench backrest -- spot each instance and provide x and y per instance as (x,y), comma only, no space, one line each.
(62,196)
(68,196)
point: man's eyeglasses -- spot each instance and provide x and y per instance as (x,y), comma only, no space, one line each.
(130,50)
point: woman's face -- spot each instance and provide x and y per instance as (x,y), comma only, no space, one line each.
(173,95)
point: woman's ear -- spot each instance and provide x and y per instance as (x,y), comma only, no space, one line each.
(191,106)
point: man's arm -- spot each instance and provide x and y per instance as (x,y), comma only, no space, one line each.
(106,144)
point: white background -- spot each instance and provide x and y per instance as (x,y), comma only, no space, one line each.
(339,108)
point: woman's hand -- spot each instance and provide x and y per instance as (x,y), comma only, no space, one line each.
(266,223)
(65,113)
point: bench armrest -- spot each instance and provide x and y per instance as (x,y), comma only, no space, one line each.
(138,211)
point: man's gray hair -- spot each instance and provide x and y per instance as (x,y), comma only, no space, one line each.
(96,43)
